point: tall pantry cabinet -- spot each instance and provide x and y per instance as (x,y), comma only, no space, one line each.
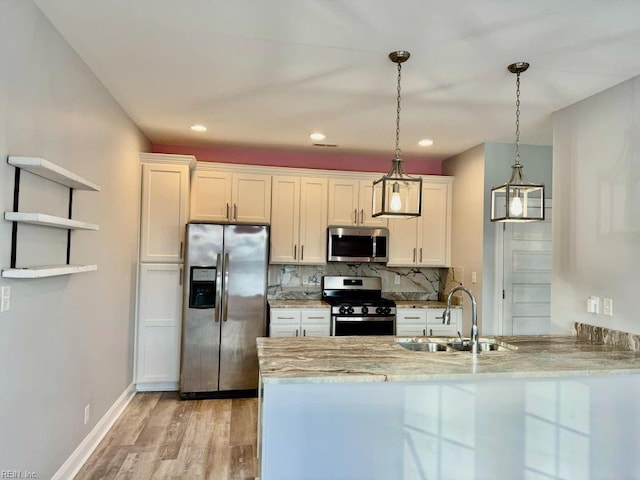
(164,213)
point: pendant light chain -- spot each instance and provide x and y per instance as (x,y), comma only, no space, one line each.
(518,118)
(398,153)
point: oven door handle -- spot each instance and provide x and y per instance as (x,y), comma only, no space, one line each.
(365,319)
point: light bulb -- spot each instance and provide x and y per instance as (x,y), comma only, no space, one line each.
(515,209)
(396,202)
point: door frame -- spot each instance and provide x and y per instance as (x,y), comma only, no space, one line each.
(498,276)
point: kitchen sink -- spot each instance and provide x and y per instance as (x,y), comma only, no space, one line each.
(450,345)
(424,346)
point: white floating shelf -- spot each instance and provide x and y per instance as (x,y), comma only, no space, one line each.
(48,271)
(49,221)
(51,171)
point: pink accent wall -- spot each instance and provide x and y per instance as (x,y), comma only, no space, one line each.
(296,159)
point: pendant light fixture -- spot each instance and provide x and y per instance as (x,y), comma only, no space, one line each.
(397,194)
(517,200)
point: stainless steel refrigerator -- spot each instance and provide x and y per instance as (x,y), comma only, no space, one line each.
(225,288)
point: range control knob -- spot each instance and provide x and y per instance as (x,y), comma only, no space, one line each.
(343,309)
(349,309)
(380,310)
(365,310)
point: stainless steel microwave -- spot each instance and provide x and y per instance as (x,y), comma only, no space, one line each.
(345,244)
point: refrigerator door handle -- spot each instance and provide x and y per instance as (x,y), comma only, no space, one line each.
(218,313)
(225,298)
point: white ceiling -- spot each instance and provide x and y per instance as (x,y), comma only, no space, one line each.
(268,73)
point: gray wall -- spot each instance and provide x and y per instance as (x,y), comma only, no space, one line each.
(67,341)
(537,161)
(596,223)
(476,171)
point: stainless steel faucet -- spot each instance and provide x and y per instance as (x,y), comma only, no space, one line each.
(474,315)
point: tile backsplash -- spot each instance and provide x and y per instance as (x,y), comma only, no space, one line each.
(304,281)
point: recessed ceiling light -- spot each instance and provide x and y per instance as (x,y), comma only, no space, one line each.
(425,142)
(317,136)
(198,128)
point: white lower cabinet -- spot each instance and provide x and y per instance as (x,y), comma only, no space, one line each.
(304,322)
(427,322)
(159,326)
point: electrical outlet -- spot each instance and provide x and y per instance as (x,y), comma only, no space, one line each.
(6,298)
(305,279)
(607,307)
(87,414)
(396,279)
(474,278)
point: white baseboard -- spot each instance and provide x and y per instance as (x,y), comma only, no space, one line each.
(158,387)
(77,459)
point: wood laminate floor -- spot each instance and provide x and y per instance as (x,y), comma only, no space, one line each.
(160,436)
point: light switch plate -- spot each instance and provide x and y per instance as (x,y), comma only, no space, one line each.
(593,304)
(607,307)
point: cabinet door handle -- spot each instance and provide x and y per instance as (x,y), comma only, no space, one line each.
(355,216)
(181,249)
(441,318)
(424,331)
(414,255)
(431,332)
(295,252)
(296,332)
(302,252)
(412,318)
(235,212)
(286,318)
(361,216)
(316,318)
(420,254)
(228,212)
(304,332)
(180,283)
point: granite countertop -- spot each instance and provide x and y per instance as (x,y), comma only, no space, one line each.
(423,304)
(381,359)
(320,303)
(298,304)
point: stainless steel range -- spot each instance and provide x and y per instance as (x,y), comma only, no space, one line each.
(357,306)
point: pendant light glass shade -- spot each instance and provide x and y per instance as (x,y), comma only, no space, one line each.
(517,200)
(397,194)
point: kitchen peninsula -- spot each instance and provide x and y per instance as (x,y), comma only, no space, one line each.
(367,408)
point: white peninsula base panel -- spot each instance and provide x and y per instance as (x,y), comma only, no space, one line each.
(530,428)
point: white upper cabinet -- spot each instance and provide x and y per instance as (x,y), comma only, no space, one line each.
(434,236)
(211,196)
(165,203)
(424,241)
(224,197)
(299,220)
(350,203)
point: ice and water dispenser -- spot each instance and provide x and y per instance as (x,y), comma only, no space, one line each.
(202,291)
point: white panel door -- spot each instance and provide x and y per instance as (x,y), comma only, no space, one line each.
(285,199)
(343,202)
(251,198)
(211,196)
(159,323)
(165,198)
(403,233)
(526,305)
(313,221)
(435,226)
